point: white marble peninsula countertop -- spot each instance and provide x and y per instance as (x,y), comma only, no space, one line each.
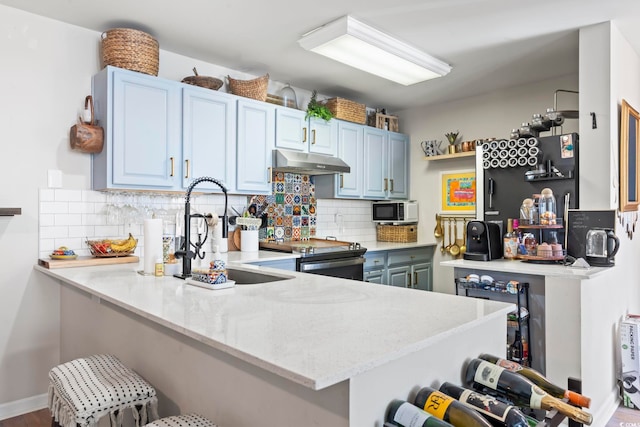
(312,330)
(520,267)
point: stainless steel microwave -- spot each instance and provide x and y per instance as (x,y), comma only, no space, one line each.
(397,212)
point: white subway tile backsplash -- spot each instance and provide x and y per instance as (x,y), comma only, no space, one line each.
(47,220)
(47,195)
(68,219)
(54,207)
(93,219)
(93,196)
(62,195)
(107,231)
(86,231)
(53,232)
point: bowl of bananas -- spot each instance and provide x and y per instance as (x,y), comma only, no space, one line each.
(107,248)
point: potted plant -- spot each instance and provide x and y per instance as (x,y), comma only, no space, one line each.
(317,109)
(452,137)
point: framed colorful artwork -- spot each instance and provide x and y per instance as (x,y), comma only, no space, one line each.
(458,192)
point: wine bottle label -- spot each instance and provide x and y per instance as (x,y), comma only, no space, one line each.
(485,404)
(408,415)
(536,397)
(437,404)
(487,374)
(509,365)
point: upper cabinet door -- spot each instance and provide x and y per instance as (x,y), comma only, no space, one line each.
(208,137)
(398,166)
(324,136)
(350,149)
(291,129)
(376,181)
(256,140)
(146,131)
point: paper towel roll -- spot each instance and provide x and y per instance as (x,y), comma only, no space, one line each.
(152,244)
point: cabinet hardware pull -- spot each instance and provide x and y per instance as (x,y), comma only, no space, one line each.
(375,261)
(341,180)
(313,134)
(172,168)
(415,278)
(187,166)
(412,256)
(386,184)
(391,184)
(304,138)
(409,279)
(269,179)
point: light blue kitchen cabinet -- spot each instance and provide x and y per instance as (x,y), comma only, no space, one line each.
(406,268)
(375,178)
(208,137)
(255,143)
(140,115)
(399,276)
(294,132)
(350,149)
(421,275)
(375,276)
(398,166)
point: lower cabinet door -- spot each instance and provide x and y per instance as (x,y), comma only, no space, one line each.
(374,276)
(399,276)
(421,276)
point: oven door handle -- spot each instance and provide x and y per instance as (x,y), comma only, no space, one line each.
(323,265)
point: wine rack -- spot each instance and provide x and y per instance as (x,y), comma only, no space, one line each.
(511,291)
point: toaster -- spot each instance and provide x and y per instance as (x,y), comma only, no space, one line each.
(484,242)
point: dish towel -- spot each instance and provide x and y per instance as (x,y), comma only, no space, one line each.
(84,390)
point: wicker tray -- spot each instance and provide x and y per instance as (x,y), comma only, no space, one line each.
(130,49)
(344,109)
(397,233)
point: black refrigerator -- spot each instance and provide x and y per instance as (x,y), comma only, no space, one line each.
(513,170)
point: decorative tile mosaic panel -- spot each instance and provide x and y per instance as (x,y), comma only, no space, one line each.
(291,209)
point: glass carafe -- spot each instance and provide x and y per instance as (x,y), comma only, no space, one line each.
(547,207)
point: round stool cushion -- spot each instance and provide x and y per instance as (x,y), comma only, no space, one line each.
(84,390)
(187,420)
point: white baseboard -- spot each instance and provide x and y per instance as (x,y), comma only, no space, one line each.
(23,406)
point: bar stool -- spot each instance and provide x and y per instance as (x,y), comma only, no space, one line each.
(84,390)
(187,420)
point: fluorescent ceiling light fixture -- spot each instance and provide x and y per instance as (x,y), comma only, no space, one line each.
(354,43)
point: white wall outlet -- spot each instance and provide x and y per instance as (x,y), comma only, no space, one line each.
(54,178)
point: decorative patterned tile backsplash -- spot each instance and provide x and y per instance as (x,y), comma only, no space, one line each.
(291,209)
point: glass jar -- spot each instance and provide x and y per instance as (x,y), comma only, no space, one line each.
(288,96)
(525,131)
(527,212)
(547,207)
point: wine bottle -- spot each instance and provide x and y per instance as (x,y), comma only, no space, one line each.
(404,414)
(496,412)
(515,352)
(518,389)
(448,409)
(538,379)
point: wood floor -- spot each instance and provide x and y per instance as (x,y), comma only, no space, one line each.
(623,417)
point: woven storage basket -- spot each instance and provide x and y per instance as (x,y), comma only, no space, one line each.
(344,109)
(397,233)
(204,81)
(130,49)
(254,89)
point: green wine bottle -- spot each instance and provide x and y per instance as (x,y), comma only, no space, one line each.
(538,379)
(448,409)
(404,414)
(480,373)
(497,413)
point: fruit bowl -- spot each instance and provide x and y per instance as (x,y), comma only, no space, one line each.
(63,253)
(107,248)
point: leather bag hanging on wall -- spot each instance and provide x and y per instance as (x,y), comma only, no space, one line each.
(86,137)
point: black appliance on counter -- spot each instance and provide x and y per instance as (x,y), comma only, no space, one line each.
(325,257)
(506,188)
(484,241)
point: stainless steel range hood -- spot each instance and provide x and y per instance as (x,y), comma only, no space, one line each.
(308,163)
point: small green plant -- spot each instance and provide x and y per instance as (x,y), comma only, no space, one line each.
(316,109)
(452,136)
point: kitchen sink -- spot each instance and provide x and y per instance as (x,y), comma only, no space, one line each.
(245,277)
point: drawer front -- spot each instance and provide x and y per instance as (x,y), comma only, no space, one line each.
(408,256)
(374,260)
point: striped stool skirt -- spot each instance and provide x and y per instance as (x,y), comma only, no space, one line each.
(187,420)
(84,390)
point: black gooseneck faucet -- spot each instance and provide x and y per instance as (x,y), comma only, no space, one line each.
(186,253)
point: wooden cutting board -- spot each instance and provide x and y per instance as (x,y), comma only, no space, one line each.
(86,261)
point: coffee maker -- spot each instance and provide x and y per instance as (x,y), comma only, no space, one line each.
(602,246)
(484,241)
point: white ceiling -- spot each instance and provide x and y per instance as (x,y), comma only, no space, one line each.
(489,43)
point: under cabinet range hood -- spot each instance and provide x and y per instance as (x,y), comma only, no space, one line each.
(307,163)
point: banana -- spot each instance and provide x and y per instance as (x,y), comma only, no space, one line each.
(127,245)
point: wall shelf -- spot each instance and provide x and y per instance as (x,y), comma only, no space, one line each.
(10,211)
(451,156)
